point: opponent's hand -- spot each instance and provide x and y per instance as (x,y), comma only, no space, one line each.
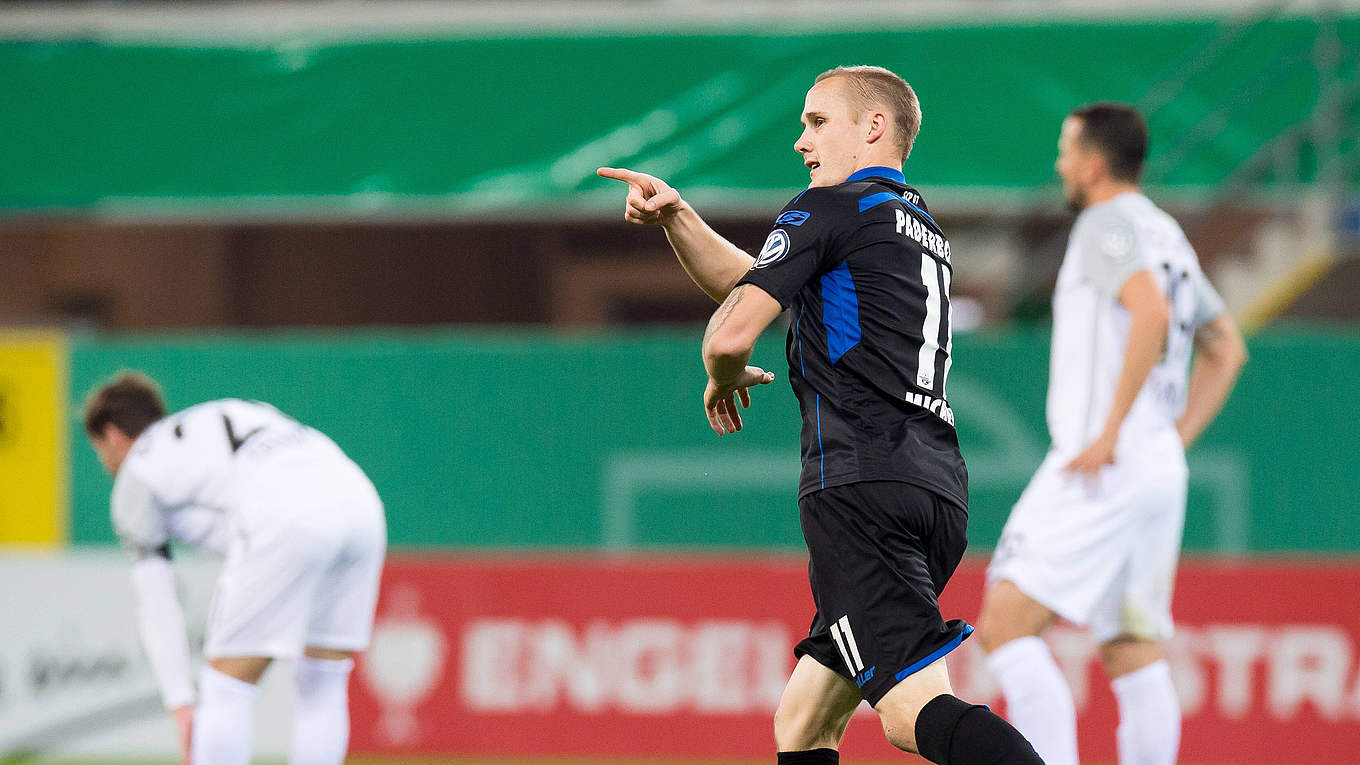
(184,724)
(720,399)
(1096,456)
(651,201)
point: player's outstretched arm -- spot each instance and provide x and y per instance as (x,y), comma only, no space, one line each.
(1219,358)
(714,263)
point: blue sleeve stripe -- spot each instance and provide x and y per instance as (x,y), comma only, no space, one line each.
(919,210)
(874,200)
(936,654)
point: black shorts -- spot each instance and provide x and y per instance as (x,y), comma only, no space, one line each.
(879,554)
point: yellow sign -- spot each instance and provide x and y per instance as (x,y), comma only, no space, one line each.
(32,438)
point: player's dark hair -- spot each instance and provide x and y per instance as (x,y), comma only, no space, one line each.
(131,401)
(875,86)
(1119,133)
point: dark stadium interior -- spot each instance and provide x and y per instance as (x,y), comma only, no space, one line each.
(125,276)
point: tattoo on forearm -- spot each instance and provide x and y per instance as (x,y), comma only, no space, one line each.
(724,312)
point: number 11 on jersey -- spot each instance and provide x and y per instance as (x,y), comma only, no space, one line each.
(935,278)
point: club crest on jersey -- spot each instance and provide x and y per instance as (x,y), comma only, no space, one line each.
(1117,243)
(776,247)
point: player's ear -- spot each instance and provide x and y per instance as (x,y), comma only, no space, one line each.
(878,127)
(114,435)
(1097,167)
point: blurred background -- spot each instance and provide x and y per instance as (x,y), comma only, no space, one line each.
(383,218)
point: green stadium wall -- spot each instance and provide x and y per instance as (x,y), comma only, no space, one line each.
(313,122)
(528,439)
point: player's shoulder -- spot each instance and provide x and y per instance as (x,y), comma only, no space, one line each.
(1109,228)
(233,408)
(1104,215)
(851,194)
(844,203)
(148,458)
(1141,210)
(813,202)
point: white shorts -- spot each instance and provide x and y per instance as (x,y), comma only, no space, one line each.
(1099,553)
(309,577)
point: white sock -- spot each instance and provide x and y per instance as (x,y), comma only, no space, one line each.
(1149,716)
(321,726)
(224,719)
(1038,702)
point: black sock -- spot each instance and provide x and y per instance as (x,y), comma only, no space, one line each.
(950,731)
(810,757)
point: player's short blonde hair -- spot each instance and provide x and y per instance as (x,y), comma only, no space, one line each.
(874,86)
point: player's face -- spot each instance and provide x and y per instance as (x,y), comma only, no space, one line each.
(1076,164)
(111,448)
(833,134)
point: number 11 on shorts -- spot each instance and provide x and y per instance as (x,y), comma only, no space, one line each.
(845,641)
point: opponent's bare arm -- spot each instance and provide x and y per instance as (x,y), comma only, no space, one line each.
(714,263)
(1148,317)
(1220,355)
(728,342)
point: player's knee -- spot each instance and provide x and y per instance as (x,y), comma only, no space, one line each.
(1127,654)
(1009,614)
(247,669)
(900,706)
(899,727)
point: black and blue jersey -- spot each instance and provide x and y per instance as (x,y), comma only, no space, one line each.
(865,271)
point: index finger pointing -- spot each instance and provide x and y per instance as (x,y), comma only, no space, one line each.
(619,174)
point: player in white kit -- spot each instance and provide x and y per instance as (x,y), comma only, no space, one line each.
(1095,536)
(303,535)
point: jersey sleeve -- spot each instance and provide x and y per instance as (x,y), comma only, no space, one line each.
(1208,303)
(1108,250)
(800,246)
(201,527)
(160,620)
(137,515)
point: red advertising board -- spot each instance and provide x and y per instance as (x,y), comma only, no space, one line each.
(659,657)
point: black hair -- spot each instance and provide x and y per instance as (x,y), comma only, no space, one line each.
(1119,133)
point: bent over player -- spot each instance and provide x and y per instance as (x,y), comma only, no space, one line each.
(1095,536)
(865,272)
(303,534)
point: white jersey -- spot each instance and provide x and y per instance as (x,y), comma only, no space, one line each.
(1110,242)
(196,475)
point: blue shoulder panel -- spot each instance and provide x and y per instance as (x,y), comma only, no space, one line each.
(840,312)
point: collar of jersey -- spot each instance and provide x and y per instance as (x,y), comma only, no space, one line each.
(887,173)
